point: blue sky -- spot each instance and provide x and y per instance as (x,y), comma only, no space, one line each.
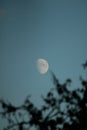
(31,29)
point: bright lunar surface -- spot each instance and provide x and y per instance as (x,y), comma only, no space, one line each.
(42,66)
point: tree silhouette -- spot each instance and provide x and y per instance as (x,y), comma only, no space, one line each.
(63,109)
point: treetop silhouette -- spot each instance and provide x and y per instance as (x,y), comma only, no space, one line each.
(67,110)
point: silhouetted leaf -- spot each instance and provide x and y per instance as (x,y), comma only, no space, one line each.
(59,120)
(84,65)
(50,94)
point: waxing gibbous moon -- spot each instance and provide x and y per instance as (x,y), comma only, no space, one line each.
(42,66)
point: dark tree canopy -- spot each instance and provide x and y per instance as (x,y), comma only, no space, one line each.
(65,110)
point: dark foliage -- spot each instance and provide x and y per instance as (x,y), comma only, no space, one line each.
(65,110)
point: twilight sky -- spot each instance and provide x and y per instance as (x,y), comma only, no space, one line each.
(30,29)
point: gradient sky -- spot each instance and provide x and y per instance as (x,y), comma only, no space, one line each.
(30,29)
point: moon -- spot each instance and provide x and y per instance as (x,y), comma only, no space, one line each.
(42,66)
